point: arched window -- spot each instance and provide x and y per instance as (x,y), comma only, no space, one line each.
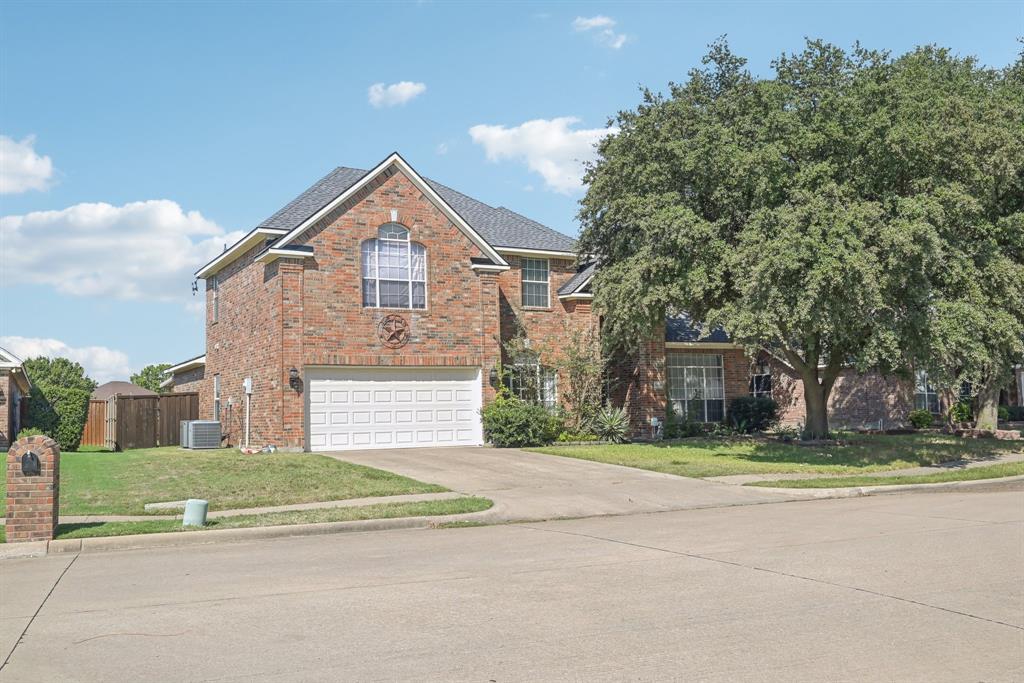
(394,270)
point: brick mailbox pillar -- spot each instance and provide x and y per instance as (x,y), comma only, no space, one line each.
(32,499)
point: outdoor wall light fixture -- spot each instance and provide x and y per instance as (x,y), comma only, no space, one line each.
(293,379)
(493,377)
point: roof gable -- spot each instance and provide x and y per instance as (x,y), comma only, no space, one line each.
(390,165)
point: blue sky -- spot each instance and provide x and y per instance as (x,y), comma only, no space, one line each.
(228,110)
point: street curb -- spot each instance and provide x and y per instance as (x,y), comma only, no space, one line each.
(858,491)
(192,538)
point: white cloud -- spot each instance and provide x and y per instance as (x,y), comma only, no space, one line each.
(603,30)
(397,93)
(101,363)
(548,147)
(142,250)
(21,169)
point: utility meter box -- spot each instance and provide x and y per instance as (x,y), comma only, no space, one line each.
(247,385)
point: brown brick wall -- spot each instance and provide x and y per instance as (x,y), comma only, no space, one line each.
(6,409)
(32,501)
(857,401)
(188,381)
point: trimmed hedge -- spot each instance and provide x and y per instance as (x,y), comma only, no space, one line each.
(512,423)
(59,402)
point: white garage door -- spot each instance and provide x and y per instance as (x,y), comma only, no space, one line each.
(357,408)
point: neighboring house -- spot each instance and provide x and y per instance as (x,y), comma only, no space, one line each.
(14,389)
(117,388)
(186,376)
(372,310)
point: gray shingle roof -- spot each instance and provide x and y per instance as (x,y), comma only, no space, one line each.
(499,226)
(583,273)
(681,328)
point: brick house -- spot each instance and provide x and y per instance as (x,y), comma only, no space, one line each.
(14,390)
(375,310)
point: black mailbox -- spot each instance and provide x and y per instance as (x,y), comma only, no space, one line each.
(30,466)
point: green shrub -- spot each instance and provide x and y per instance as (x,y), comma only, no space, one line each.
(920,418)
(30,431)
(512,423)
(1004,413)
(961,411)
(612,424)
(59,402)
(749,414)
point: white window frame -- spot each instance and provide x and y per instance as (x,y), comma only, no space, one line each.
(545,380)
(377,241)
(686,364)
(546,281)
(922,387)
(216,397)
(215,288)
(760,370)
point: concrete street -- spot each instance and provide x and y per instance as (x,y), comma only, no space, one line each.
(921,587)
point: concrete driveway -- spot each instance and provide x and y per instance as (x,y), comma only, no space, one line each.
(533,486)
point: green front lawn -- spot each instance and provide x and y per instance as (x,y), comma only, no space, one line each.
(121,483)
(858,453)
(1006,469)
(429,508)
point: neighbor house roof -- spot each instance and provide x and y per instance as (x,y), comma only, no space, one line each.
(682,329)
(15,366)
(105,391)
(494,229)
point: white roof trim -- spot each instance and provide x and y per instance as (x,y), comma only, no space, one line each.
(243,245)
(538,253)
(9,360)
(187,365)
(420,184)
(167,382)
(274,253)
(576,295)
(490,267)
(701,345)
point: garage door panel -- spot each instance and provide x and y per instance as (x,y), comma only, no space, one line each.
(393,407)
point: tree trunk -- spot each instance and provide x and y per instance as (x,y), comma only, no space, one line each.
(816,404)
(987,416)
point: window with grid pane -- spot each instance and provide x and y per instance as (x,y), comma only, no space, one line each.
(925,396)
(535,282)
(761,380)
(394,270)
(696,386)
(532,382)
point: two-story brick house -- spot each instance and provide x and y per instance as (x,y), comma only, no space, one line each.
(371,312)
(375,309)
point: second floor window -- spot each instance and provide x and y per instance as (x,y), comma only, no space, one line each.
(214,286)
(535,283)
(394,270)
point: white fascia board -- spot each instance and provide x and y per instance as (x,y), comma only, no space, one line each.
(537,253)
(420,184)
(167,382)
(237,249)
(575,296)
(275,253)
(490,267)
(187,365)
(701,345)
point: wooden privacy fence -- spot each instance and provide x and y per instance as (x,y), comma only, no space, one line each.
(124,422)
(95,432)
